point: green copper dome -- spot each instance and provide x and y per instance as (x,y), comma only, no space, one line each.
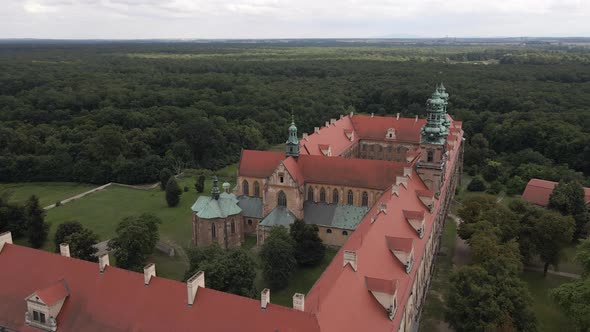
(292,144)
(435,131)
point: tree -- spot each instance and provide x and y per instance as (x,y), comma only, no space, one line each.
(552,233)
(135,241)
(232,271)
(200,184)
(173,193)
(476,184)
(82,245)
(12,217)
(37,229)
(309,249)
(568,199)
(574,297)
(278,258)
(64,230)
(165,175)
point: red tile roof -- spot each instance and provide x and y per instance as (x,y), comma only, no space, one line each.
(53,293)
(291,166)
(404,244)
(413,214)
(381,285)
(334,135)
(340,298)
(360,173)
(538,191)
(259,164)
(118,300)
(375,128)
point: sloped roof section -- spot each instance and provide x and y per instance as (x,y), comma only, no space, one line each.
(375,128)
(53,293)
(208,208)
(251,206)
(336,135)
(279,216)
(117,300)
(259,164)
(538,191)
(331,215)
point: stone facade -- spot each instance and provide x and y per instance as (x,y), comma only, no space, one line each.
(227,232)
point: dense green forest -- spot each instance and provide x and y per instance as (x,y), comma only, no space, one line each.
(122,111)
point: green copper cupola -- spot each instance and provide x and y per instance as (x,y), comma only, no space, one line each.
(445,97)
(435,131)
(292,145)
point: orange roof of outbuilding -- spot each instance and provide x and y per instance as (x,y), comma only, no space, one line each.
(118,300)
(538,191)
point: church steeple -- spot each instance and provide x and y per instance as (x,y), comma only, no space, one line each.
(435,131)
(445,97)
(292,144)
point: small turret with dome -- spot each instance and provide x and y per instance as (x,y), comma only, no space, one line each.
(292,144)
(435,131)
(445,97)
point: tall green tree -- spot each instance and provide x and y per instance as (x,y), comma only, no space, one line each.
(82,245)
(278,258)
(64,230)
(200,184)
(37,229)
(173,192)
(12,217)
(568,198)
(309,248)
(165,175)
(232,271)
(552,233)
(135,239)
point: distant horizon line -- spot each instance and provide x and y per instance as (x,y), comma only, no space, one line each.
(294,38)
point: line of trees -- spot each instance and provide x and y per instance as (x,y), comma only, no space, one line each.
(24,220)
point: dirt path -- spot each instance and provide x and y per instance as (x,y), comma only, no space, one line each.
(557,273)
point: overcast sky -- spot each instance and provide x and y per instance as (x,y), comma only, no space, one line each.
(131,19)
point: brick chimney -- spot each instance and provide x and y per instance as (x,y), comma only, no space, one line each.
(332,121)
(64,249)
(149,271)
(408,171)
(316,130)
(350,258)
(299,301)
(103,261)
(397,116)
(5,237)
(264,298)
(193,284)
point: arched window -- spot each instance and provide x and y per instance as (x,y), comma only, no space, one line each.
(281,199)
(430,156)
(245,188)
(323,195)
(350,198)
(310,194)
(365,199)
(335,197)
(256,189)
(213,231)
(233,227)
(250,222)
(329,231)
(344,233)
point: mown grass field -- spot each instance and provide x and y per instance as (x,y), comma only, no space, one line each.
(548,314)
(48,192)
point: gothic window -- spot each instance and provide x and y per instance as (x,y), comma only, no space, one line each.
(344,233)
(256,189)
(245,188)
(365,199)
(281,199)
(335,196)
(323,195)
(310,194)
(233,227)
(350,198)
(430,156)
(213,231)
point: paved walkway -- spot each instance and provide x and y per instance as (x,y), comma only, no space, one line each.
(557,273)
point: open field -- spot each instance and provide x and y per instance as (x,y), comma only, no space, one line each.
(548,314)
(48,192)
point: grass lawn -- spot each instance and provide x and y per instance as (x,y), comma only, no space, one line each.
(301,281)
(434,307)
(548,315)
(48,192)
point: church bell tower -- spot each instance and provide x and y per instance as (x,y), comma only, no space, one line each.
(292,144)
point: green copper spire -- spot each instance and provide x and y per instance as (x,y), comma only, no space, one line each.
(292,145)
(445,97)
(435,132)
